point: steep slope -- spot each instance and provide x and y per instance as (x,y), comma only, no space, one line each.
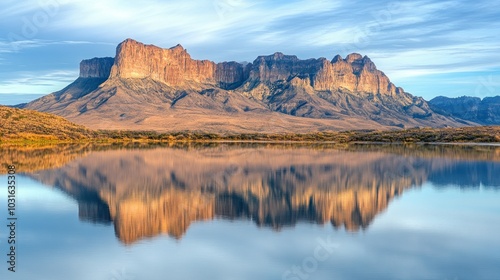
(146,87)
(93,72)
(485,111)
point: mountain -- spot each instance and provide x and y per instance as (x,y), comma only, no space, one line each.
(485,111)
(18,124)
(147,87)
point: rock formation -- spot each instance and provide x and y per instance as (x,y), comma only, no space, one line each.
(147,87)
(96,67)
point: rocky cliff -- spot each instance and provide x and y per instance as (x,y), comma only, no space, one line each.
(172,66)
(96,67)
(147,87)
(483,111)
(175,67)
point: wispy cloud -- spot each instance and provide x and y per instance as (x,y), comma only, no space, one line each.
(406,39)
(38,82)
(16,46)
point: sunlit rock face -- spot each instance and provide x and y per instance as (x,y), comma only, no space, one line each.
(172,66)
(146,193)
(175,67)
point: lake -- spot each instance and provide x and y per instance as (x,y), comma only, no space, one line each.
(253,211)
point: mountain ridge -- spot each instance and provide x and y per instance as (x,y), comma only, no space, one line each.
(148,87)
(484,111)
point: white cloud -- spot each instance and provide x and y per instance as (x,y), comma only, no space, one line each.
(38,82)
(438,60)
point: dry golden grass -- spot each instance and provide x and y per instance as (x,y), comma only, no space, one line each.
(28,125)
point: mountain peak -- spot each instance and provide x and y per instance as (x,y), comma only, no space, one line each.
(277,56)
(337,58)
(353,57)
(129,42)
(178,47)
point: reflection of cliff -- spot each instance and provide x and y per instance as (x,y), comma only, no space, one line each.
(150,192)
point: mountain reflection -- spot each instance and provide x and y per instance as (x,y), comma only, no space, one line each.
(144,193)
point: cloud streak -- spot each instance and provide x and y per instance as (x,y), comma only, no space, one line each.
(28,82)
(407,40)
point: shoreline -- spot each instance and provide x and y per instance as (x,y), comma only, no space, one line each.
(147,141)
(481,135)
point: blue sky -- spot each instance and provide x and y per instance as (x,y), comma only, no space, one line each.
(429,48)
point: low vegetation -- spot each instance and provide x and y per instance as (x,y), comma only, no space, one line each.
(19,125)
(25,126)
(481,134)
(426,135)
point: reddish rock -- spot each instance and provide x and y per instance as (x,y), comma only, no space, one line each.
(172,66)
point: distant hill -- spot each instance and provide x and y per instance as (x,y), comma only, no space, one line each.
(145,87)
(485,111)
(22,124)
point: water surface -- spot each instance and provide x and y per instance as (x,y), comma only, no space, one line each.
(228,211)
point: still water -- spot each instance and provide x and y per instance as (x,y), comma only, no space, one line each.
(247,211)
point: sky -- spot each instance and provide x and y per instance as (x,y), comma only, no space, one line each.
(430,48)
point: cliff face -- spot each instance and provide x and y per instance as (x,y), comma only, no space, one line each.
(172,66)
(96,67)
(485,111)
(230,75)
(354,73)
(175,67)
(147,87)
(280,67)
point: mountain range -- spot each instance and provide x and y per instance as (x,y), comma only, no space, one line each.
(484,111)
(145,87)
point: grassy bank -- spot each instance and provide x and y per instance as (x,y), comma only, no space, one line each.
(426,135)
(26,127)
